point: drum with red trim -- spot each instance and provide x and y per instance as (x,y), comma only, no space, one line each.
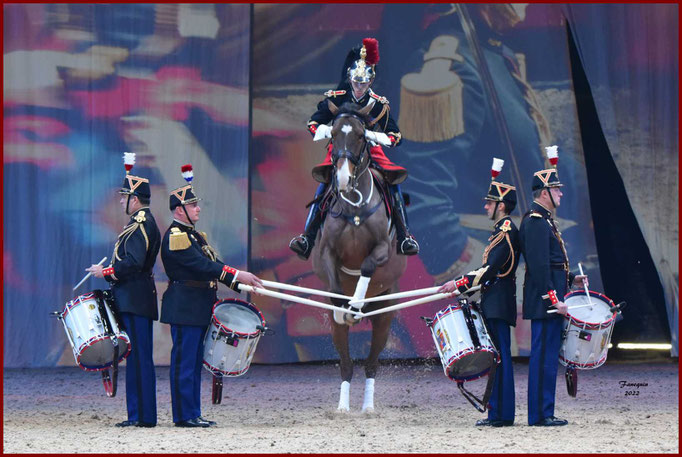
(90,326)
(231,338)
(587,329)
(463,343)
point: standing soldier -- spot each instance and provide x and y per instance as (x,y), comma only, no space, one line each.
(497,277)
(134,292)
(359,71)
(193,271)
(546,283)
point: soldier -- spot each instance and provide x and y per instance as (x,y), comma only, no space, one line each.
(497,277)
(193,271)
(134,292)
(546,283)
(359,71)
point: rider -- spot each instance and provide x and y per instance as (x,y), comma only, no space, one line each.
(357,76)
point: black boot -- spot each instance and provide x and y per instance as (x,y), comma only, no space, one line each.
(303,244)
(407,245)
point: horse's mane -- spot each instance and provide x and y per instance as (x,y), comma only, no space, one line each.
(354,109)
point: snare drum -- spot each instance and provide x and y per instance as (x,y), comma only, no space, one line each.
(90,325)
(231,339)
(587,330)
(463,343)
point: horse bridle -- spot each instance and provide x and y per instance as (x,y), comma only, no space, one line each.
(345,153)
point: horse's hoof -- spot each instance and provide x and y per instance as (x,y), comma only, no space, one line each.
(368,410)
(343,410)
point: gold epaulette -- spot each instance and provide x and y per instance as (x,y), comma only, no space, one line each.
(379,98)
(506,226)
(534,214)
(140,218)
(334,93)
(178,240)
(205,236)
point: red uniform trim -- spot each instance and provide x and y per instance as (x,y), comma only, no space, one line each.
(464,281)
(552,297)
(108,271)
(228,269)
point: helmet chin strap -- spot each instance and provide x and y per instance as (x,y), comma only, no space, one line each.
(187,214)
(128,205)
(551,199)
(494,211)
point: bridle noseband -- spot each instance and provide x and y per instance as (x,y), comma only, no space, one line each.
(345,153)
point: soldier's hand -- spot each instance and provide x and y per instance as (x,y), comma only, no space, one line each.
(249,279)
(447,288)
(96,270)
(581,281)
(562,308)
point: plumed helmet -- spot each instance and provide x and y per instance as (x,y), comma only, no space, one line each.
(361,62)
(134,185)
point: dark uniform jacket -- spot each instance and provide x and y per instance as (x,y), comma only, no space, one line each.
(130,273)
(193,271)
(547,270)
(497,276)
(380,113)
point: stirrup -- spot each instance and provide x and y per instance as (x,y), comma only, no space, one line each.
(408,246)
(301,246)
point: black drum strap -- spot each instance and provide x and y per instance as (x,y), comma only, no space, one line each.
(571,380)
(480,404)
(466,311)
(110,382)
(217,392)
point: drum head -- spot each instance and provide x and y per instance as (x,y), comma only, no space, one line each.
(237,317)
(599,312)
(471,366)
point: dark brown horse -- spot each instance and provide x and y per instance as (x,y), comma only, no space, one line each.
(356,251)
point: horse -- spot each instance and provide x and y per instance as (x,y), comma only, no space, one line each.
(356,249)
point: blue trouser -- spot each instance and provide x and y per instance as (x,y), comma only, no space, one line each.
(185,371)
(140,373)
(543,367)
(502,402)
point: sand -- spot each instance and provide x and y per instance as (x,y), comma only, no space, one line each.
(292,409)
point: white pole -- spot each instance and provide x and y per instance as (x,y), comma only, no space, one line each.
(294,298)
(279,285)
(88,275)
(418,301)
(398,295)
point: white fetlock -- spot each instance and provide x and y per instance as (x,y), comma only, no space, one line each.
(344,398)
(360,292)
(339,317)
(368,401)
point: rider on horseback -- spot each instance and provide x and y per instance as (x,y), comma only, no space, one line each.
(357,77)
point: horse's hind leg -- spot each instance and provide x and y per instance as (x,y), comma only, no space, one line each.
(340,339)
(381,327)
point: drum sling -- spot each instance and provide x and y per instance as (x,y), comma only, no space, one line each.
(480,404)
(110,382)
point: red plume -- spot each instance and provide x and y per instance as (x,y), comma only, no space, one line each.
(372,47)
(185,168)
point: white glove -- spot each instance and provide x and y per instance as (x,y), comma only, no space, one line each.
(378,137)
(323,131)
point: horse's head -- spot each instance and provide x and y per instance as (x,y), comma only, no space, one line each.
(349,153)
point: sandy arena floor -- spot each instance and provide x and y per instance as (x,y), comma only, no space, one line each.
(292,408)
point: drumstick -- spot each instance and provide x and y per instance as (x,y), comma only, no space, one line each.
(554,310)
(417,301)
(88,275)
(587,292)
(293,298)
(279,285)
(397,295)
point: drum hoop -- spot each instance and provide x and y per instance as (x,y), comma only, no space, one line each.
(76,301)
(94,340)
(584,366)
(445,311)
(248,305)
(586,324)
(215,370)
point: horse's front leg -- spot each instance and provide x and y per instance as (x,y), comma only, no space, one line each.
(381,328)
(376,258)
(339,328)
